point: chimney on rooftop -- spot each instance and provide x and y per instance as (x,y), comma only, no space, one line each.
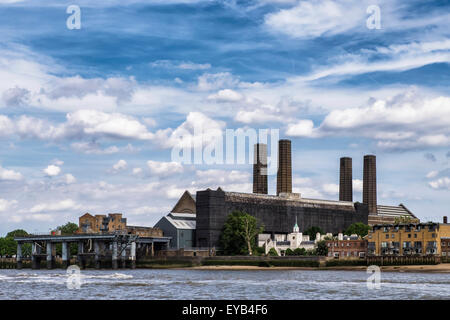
(445,219)
(370,183)
(284,175)
(260,168)
(346,180)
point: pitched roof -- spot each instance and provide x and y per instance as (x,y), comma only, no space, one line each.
(394,211)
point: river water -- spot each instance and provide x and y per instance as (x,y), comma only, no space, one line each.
(214,284)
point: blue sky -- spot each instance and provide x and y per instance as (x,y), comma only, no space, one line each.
(89,117)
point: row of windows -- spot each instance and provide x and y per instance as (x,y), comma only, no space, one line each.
(433,235)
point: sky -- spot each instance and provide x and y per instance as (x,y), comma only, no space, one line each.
(90,116)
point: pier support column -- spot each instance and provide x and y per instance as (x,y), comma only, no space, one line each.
(49,255)
(124,255)
(80,254)
(19,255)
(65,255)
(153,249)
(35,260)
(114,255)
(97,254)
(133,255)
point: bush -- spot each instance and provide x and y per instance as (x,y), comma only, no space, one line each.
(289,252)
(273,252)
(300,252)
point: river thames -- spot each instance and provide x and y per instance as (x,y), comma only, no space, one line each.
(212,284)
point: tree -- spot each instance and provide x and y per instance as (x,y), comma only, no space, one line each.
(312,232)
(300,252)
(17,233)
(273,252)
(322,248)
(289,252)
(68,228)
(358,228)
(239,233)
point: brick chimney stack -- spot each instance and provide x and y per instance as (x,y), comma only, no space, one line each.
(370,183)
(260,168)
(284,174)
(345,180)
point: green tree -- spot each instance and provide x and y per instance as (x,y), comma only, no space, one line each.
(322,248)
(17,233)
(239,233)
(289,252)
(68,228)
(273,252)
(358,228)
(300,252)
(312,232)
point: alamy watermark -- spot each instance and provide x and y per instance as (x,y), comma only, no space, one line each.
(230,147)
(374,280)
(74,280)
(374,20)
(74,20)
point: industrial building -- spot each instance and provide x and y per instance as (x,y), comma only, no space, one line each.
(277,213)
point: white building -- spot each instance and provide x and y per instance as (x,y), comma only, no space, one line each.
(294,240)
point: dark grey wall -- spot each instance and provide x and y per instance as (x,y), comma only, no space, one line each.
(276,215)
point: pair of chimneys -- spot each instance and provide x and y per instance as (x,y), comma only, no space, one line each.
(369,181)
(284,174)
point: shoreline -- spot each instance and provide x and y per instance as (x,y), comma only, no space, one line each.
(439,268)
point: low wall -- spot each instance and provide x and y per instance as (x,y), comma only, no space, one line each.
(402,260)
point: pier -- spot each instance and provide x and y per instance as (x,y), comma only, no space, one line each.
(112,249)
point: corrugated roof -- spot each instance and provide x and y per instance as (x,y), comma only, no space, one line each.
(181,223)
(182,215)
(394,211)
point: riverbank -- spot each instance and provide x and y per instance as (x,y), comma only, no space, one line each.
(439,268)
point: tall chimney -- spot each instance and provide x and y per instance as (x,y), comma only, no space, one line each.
(260,168)
(370,183)
(284,175)
(445,219)
(346,180)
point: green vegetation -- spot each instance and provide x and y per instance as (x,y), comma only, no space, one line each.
(68,229)
(8,246)
(403,219)
(312,232)
(239,234)
(322,249)
(264,263)
(300,252)
(273,252)
(358,228)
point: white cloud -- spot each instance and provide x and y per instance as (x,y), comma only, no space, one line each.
(215,81)
(70,178)
(331,188)
(120,165)
(67,204)
(432,174)
(186,65)
(6,174)
(164,168)
(357,185)
(441,183)
(6,205)
(52,170)
(226,95)
(403,122)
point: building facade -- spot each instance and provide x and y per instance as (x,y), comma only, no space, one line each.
(408,239)
(180,227)
(347,247)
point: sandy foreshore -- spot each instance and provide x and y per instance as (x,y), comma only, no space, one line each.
(439,268)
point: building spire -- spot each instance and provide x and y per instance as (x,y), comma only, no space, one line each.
(296,228)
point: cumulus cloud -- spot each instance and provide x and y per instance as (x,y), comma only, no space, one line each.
(441,183)
(67,204)
(215,81)
(400,123)
(69,178)
(5,205)
(6,174)
(52,170)
(164,168)
(120,165)
(226,95)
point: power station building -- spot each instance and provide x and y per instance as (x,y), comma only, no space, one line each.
(278,213)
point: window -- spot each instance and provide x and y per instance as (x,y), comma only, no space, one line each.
(443,244)
(415,235)
(387,236)
(433,235)
(409,235)
(393,236)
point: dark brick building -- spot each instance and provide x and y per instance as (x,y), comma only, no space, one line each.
(277,214)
